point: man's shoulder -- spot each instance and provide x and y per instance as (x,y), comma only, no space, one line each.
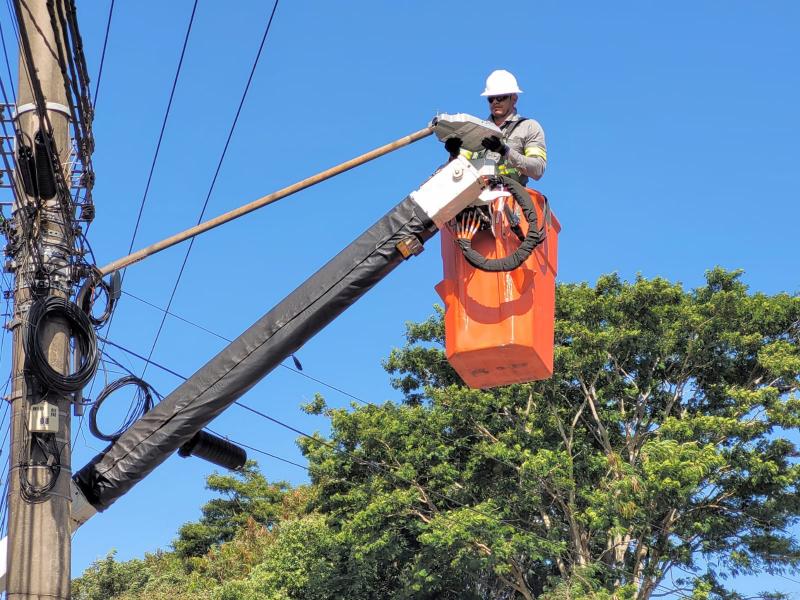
(528,126)
(529,120)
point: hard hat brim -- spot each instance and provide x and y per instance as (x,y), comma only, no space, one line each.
(496,93)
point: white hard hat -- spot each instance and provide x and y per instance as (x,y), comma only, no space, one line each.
(501,82)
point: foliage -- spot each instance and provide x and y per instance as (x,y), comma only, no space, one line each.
(247,495)
(270,517)
(661,444)
(661,451)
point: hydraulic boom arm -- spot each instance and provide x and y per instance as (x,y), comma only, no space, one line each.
(279,333)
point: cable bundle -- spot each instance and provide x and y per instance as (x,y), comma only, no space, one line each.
(80,329)
(49,448)
(142,403)
(85,298)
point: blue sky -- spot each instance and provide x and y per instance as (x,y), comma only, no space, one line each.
(672,139)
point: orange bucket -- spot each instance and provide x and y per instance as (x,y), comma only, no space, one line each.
(499,325)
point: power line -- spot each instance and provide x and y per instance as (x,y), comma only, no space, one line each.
(499,461)
(103,54)
(4,509)
(8,64)
(140,357)
(6,410)
(4,472)
(229,340)
(157,150)
(12,15)
(264,452)
(346,453)
(13,181)
(129,372)
(213,180)
(163,127)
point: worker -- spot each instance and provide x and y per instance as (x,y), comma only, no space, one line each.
(521,152)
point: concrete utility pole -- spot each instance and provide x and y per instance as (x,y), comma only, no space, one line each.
(39,544)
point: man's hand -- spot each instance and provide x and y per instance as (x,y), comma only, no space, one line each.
(468,226)
(494,144)
(453,146)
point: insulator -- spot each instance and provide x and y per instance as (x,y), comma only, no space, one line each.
(215,450)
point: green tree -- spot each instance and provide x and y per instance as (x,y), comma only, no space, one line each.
(246,495)
(661,451)
(108,578)
(159,576)
(660,446)
(273,548)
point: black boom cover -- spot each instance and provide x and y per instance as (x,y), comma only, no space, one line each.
(256,352)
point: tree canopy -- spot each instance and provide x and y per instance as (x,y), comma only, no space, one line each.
(659,458)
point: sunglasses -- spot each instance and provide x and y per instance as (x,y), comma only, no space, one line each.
(503,98)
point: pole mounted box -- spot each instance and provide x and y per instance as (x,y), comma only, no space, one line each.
(43,418)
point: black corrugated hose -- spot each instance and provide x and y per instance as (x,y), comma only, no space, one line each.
(534,237)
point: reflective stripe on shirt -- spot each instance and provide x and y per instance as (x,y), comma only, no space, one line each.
(536,151)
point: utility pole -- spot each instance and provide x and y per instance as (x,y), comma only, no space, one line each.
(39,543)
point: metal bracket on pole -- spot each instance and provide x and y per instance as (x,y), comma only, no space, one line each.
(54,106)
(80,511)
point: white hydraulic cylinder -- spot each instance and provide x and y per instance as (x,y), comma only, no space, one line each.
(451,189)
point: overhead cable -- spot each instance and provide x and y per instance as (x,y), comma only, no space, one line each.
(445,438)
(129,372)
(8,64)
(229,340)
(103,55)
(342,452)
(158,144)
(163,125)
(214,178)
(264,452)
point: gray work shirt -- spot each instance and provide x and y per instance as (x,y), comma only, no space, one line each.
(527,152)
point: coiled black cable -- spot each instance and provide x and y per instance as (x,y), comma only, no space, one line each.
(142,404)
(81,331)
(48,447)
(534,237)
(85,297)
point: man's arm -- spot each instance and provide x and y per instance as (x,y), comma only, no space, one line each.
(533,159)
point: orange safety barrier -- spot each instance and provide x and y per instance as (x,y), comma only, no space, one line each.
(499,326)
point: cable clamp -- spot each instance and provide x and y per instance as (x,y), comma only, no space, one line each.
(54,106)
(14,397)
